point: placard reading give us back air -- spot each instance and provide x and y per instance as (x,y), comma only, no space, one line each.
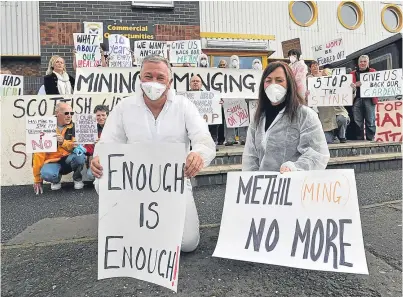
(305,219)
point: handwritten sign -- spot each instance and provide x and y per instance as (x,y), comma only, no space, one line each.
(329,52)
(131,230)
(145,48)
(388,120)
(86,128)
(252,105)
(11,85)
(381,83)
(306,219)
(330,90)
(339,71)
(94,28)
(184,51)
(88,52)
(41,134)
(208,104)
(119,51)
(231,83)
(236,113)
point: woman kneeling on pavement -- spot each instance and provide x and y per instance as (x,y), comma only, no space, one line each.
(285,134)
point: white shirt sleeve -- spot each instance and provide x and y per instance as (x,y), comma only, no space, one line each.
(198,133)
(250,158)
(114,131)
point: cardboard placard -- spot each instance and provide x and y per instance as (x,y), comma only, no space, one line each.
(119,51)
(41,135)
(236,113)
(329,52)
(184,51)
(387,83)
(88,51)
(11,85)
(86,131)
(388,119)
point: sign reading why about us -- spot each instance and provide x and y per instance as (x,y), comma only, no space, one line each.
(329,52)
(41,134)
(119,51)
(231,83)
(86,128)
(388,120)
(236,113)
(142,199)
(11,85)
(305,219)
(88,51)
(208,104)
(184,51)
(330,90)
(144,48)
(381,83)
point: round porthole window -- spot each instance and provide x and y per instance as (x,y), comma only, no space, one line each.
(391,16)
(303,13)
(350,14)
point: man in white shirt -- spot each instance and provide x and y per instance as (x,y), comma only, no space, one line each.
(157,114)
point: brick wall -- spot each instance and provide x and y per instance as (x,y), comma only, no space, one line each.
(60,19)
(22,66)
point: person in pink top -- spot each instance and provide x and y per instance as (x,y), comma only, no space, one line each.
(299,69)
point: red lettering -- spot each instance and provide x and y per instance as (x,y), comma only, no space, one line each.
(389,107)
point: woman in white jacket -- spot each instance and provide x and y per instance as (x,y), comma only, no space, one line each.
(285,134)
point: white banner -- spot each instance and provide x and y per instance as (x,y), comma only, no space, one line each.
(329,52)
(306,219)
(15,162)
(142,199)
(41,135)
(236,113)
(88,51)
(86,130)
(144,48)
(330,90)
(184,51)
(381,83)
(94,28)
(119,51)
(11,85)
(208,104)
(231,83)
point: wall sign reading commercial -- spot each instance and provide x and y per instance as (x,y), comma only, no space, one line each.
(129,30)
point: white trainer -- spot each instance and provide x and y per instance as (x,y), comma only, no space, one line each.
(56,187)
(78,185)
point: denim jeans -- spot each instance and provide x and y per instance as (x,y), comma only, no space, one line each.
(363,108)
(52,172)
(342,123)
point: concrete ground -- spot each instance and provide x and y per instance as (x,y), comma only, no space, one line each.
(50,249)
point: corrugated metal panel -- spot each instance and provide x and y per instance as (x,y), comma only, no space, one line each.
(20,28)
(272,18)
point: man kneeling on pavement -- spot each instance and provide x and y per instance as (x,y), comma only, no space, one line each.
(68,158)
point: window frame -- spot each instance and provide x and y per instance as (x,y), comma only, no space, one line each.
(314,8)
(358,9)
(152,4)
(212,53)
(396,9)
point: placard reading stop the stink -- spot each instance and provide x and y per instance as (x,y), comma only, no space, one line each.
(86,128)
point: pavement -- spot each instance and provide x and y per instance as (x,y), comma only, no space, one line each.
(50,249)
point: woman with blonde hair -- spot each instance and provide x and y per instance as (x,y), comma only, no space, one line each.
(57,81)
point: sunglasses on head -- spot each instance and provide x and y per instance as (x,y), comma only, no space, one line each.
(69,113)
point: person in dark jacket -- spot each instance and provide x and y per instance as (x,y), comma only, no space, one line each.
(102,112)
(57,81)
(363,108)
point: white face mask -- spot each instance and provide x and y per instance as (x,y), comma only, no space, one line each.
(293,59)
(276,93)
(153,90)
(257,66)
(235,63)
(203,62)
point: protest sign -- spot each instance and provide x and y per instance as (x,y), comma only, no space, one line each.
(381,83)
(142,199)
(94,28)
(231,83)
(290,44)
(119,51)
(41,134)
(305,219)
(329,52)
(236,113)
(88,51)
(143,48)
(184,51)
(208,104)
(252,107)
(16,163)
(11,85)
(133,31)
(330,90)
(339,71)
(388,120)
(86,128)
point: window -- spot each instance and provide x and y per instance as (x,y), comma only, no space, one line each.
(244,62)
(391,17)
(350,14)
(303,13)
(153,4)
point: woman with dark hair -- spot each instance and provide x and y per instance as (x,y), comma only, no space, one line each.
(285,134)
